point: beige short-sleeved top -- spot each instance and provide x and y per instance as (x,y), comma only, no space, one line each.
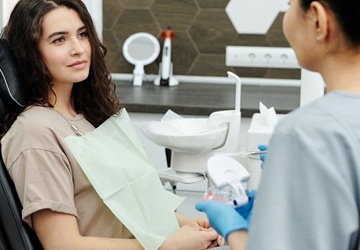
(47,176)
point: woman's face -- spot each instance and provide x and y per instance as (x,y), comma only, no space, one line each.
(65,47)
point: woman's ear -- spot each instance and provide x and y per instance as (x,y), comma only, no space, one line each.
(322,21)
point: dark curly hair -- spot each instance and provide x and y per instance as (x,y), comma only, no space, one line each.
(95,97)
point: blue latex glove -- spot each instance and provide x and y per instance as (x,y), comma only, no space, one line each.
(246,210)
(262,147)
(222,217)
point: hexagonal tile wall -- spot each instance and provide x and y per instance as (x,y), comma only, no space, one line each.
(203,29)
(252,17)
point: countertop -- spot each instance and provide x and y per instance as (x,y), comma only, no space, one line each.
(203,99)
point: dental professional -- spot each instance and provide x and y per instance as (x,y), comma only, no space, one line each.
(70,93)
(309,194)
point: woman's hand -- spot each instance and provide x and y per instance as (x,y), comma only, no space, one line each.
(190,238)
(203,224)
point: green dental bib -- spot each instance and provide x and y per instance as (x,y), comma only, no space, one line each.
(116,164)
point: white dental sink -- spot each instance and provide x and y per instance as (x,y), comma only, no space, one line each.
(192,136)
(194,140)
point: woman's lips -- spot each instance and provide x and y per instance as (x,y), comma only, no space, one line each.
(78,64)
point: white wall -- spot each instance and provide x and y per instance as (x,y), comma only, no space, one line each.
(1,12)
(7,6)
(94,7)
(96,10)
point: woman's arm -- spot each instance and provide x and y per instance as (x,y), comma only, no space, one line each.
(237,240)
(60,231)
(195,222)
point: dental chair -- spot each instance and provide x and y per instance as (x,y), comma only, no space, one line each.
(14,233)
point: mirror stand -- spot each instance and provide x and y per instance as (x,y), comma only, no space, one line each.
(140,49)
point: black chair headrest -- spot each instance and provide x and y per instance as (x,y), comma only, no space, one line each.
(12,91)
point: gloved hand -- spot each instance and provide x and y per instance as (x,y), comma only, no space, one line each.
(262,147)
(246,210)
(222,217)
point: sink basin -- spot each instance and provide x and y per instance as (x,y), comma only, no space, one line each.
(191,136)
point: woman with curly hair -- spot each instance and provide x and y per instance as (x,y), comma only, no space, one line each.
(70,92)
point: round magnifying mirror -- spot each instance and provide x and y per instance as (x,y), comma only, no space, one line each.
(140,49)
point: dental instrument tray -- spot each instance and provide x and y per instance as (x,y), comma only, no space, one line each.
(225,181)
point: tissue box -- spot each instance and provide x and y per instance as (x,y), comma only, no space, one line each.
(258,133)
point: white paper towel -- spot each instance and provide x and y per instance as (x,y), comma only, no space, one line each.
(269,115)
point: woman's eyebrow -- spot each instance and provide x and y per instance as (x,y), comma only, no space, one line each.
(82,28)
(57,33)
(64,32)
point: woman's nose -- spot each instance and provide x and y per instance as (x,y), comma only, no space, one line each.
(77,48)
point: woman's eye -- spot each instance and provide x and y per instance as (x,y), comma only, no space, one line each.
(59,40)
(83,34)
